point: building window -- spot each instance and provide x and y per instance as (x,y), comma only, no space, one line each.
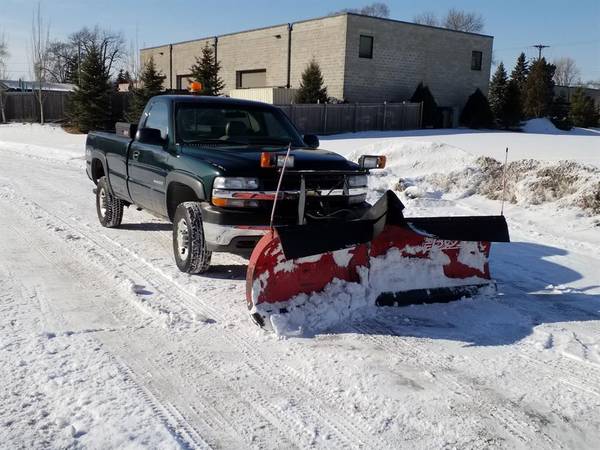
(251,78)
(365,48)
(476,58)
(183,81)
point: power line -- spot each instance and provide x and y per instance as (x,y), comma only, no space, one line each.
(563,44)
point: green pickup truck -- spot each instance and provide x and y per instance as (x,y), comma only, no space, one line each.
(212,166)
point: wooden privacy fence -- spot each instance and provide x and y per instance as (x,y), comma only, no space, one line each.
(352,117)
(24,106)
(314,119)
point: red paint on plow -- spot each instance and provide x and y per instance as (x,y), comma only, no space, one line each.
(273,279)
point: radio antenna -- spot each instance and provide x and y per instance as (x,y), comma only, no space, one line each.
(504,181)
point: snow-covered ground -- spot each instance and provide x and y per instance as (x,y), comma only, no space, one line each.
(105,344)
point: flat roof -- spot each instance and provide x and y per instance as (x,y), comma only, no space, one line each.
(315,19)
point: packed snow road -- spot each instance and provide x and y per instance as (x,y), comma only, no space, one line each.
(105,344)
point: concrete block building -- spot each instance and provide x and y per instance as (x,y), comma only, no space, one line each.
(363,59)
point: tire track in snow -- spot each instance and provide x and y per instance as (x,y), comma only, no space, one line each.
(186,434)
(176,420)
(347,432)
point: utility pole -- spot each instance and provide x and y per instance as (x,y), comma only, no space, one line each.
(540,47)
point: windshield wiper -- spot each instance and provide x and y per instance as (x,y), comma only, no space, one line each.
(215,141)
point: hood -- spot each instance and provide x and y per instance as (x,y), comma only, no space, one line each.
(240,161)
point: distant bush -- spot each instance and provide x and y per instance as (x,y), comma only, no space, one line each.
(477,112)
(583,111)
(559,114)
(431,115)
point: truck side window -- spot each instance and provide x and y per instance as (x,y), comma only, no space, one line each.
(158,117)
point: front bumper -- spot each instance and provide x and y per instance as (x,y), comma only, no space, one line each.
(233,230)
(232,238)
(238,230)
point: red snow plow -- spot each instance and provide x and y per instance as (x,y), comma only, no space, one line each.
(398,260)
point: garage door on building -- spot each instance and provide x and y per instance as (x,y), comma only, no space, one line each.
(251,78)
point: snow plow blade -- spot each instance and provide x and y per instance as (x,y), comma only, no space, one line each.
(401,261)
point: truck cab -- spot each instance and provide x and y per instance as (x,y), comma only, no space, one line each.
(213,166)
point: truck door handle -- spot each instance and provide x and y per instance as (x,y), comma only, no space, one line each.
(135,154)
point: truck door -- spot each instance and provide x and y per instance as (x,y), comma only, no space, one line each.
(148,163)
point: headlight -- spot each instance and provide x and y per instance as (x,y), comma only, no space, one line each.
(230,192)
(235,183)
(357,181)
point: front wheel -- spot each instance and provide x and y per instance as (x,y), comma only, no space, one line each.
(108,207)
(189,245)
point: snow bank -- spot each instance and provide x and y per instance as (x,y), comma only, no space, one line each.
(541,125)
(580,145)
(434,170)
(48,142)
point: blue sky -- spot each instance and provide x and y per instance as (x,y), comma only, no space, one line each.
(571,28)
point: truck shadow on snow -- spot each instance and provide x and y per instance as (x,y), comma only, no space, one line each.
(532,291)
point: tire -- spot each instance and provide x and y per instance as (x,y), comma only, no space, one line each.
(108,207)
(189,245)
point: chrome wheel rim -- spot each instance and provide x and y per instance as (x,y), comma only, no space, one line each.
(102,195)
(183,239)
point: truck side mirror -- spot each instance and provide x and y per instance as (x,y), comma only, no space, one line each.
(150,136)
(311,140)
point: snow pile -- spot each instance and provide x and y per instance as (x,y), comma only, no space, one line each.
(541,125)
(419,159)
(434,170)
(528,182)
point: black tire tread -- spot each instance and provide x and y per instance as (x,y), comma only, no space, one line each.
(199,257)
(114,206)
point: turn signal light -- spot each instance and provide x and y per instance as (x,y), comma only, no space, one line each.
(265,159)
(372,161)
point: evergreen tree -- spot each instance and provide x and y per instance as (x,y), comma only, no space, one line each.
(477,112)
(311,87)
(519,77)
(206,71)
(540,89)
(504,99)
(498,91)
(430,109)
(89,106)
(583,111)
(120,79)
(512,106)
(150,85)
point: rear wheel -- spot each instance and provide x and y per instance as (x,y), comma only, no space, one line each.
(108,207)
(189,245)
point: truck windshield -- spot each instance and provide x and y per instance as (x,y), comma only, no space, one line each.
(234,124)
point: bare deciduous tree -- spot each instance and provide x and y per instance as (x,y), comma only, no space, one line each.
(376,9)
(3,54)
(62,59)
(567,73)
(426,18)
(3,74)
(40,41)
(463,21)
(110,44)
